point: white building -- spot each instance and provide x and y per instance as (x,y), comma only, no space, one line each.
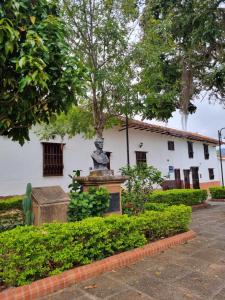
(223,166)
(188,158)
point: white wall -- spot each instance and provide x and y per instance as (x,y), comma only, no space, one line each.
(20,165)
(219,168)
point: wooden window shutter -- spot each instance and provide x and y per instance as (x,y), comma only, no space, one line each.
(206,151)
(190,150)
(141,157)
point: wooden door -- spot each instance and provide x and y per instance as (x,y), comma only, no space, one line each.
(195,178)
(187,179)
(177,179)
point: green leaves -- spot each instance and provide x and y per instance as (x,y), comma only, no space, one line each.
(176,197)
(39,252)
(217,192)
(11,203)
(87,204)
(140,184)
(193,33)
(39,76)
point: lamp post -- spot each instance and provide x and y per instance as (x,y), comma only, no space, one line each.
(127,142)
(221,163)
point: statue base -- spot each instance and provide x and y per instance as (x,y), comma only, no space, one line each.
(102,173)
(106,179)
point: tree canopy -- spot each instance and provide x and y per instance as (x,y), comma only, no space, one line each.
(105,35)
(196,64)
(99,35)
(39,76)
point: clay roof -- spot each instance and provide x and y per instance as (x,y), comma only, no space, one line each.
(139,125)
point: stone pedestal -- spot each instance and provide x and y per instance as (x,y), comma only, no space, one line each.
(49,205)
(106,179)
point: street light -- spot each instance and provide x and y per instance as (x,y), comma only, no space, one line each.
(220,142)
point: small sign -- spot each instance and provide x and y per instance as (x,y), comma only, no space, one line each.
(171,169)
(114,203)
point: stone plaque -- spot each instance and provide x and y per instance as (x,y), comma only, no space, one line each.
(114,202)
(49,204)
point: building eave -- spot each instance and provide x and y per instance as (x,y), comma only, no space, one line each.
(140,125)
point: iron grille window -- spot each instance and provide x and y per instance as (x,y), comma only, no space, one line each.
(206,151)
(171,145)
(141,157)
(52,159)
(211,173)
(190,150)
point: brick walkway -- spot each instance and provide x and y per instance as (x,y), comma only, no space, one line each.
(195,270)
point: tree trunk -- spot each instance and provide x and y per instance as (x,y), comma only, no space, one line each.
(98,115)
(187,86)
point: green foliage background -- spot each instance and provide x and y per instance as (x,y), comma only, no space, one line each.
(39,75)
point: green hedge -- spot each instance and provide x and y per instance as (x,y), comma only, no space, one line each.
(217,192)
(175,197)
(11,203)
(29,253)
(156,206)
(10,219)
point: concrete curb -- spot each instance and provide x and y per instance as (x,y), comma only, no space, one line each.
(217,200)
(52,284)
(199,206)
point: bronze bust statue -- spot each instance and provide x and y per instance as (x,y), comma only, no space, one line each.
(99,157)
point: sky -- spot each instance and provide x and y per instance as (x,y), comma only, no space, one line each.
(207,119)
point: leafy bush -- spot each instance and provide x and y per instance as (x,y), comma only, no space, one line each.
(11,203)
(217,192)
(88,204)
(75,186)
(10,219)
(173,197)
(29,253)
(156,206)
(141,182)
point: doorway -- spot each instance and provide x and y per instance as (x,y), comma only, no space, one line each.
(195,178)
(178,184)
(187,184)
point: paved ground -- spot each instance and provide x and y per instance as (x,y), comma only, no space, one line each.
(195,270)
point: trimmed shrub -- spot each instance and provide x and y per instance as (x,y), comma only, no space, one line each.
(217,192)
(10,219)
(29,253)
(11,203)
(156,206)
(183,196)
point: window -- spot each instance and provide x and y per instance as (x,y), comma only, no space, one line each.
(190,150)
(206,151)
(211,173)
(141,157)
(52,159)
(108,155)
(171,145)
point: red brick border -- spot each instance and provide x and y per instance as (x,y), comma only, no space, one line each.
(51,284)
(202,205)
(217,200)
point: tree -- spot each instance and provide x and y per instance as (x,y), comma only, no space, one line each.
(158,83)
(38,74)
(100,36)
(197,29)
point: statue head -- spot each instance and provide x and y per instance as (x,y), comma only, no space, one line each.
(99,143)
